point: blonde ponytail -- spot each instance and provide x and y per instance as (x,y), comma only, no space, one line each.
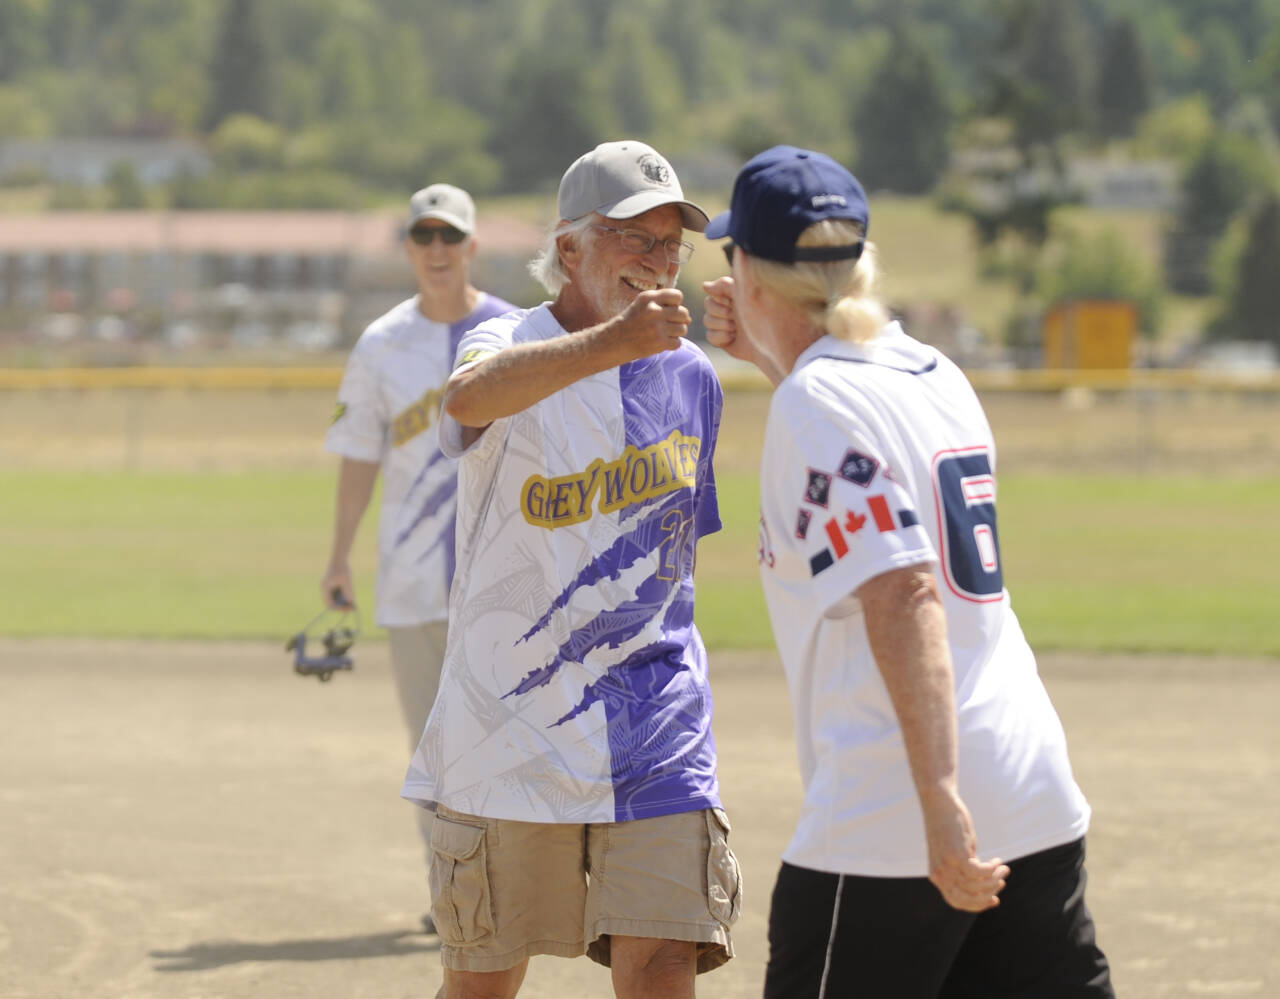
(835,296)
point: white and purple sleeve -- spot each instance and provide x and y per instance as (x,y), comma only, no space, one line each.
(359,427)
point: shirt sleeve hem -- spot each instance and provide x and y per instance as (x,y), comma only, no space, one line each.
(349,449)
(843,586)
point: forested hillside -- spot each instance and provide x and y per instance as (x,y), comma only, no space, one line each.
(393,90)
(983,105)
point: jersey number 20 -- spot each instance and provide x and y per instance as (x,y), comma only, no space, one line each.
(965,489)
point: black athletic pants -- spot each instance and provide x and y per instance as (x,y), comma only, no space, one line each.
(834,936)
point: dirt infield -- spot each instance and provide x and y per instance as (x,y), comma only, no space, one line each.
(193,820)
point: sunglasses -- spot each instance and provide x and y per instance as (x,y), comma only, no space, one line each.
(426,235)
(728,252)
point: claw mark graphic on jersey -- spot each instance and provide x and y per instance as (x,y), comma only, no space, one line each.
(430,506)
(608,684)
(609,564)
(431,462)
(611,628)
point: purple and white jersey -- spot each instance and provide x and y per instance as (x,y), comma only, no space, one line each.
(575,683)
(388,408)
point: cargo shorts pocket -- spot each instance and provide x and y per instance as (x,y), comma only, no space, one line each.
(724,876)
(461,905)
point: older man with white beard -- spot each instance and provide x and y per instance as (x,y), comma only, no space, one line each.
(569,756)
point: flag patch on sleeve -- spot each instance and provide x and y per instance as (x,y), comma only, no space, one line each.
(821,562)
(836,534)
(885,518)
(858,468)
(818,491)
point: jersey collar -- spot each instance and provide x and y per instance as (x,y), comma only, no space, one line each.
(891,348)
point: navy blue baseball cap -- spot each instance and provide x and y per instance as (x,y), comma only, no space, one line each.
(779,193)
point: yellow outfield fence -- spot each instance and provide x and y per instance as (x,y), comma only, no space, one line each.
(273,417)
(287,377)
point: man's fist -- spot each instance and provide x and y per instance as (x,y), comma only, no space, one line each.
(654,322)
(722,326)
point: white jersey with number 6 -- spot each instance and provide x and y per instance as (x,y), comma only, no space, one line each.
(879,456)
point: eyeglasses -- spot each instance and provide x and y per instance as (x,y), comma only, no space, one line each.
(728,252)
(635,241)
(426,235)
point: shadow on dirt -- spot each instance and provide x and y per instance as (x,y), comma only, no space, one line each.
(205,955)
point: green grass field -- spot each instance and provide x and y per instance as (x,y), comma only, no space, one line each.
(1158,564)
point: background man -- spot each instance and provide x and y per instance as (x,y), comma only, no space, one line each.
(387,416)
(570,750)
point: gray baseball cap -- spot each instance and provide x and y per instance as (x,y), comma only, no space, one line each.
(621,180)
(444,202)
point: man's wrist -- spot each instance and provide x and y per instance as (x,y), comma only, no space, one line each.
(942,792)
(603,343)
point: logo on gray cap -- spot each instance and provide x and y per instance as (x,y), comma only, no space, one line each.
(654,169)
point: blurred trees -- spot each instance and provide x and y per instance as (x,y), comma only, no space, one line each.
(238,74)
(1176,131)
(897,151)
(1267,75)
(984,103)
(1042,73)
(1252,292)
(462,85)
(299,62)
(551,117)
(20,116)
(1124,82)
(1218,183)
(1222,66)
(1034,96)
(20,42)
(643,79)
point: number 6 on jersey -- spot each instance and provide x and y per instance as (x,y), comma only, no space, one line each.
(965,488)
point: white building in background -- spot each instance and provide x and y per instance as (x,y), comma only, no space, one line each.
(305,277)
(1107,183)
(89,162)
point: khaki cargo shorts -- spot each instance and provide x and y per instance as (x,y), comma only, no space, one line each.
(502,891)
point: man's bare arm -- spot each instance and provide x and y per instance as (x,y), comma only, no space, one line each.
(355,488)
(907,630)
(516,378)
